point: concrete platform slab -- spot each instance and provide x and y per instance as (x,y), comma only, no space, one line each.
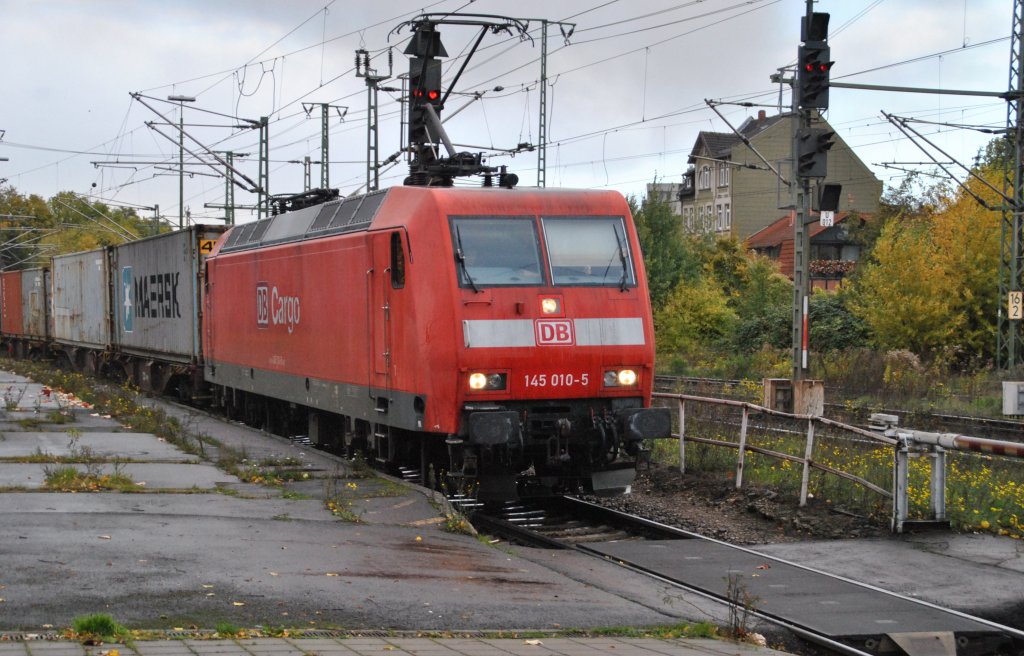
(128,446)
(395,647)
(148,476)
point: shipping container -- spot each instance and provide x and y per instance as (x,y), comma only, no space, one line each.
(24,311)
(35,309)
(11,320)
(157,294)
(80,284)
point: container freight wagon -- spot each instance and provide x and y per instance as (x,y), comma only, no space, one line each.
(25,316)
(501,336)
(157,297)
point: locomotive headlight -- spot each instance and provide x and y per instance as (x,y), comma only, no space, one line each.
(485,382)
(550,305)
(620,378)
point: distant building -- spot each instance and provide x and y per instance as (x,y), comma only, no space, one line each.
(728,190)
(666,192)
(833,253)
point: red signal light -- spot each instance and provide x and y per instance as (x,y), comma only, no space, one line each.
(433,94)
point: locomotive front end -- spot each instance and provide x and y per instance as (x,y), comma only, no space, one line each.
(557,360)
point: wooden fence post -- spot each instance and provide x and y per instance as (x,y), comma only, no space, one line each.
(808,452)
(682,436)
(743,448)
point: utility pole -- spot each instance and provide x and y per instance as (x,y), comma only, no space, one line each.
(1010,347)
(542,128)
(373,80)
(181,100)
(307,167)
(263,184)
(325,141)
(229,186)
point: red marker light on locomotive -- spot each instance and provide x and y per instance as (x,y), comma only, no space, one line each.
(433,94)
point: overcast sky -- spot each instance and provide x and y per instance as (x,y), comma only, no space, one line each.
(625,101)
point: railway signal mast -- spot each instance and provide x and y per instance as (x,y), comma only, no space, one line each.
(427,97)
(810,163)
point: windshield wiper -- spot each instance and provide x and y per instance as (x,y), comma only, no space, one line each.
(622,258)
(460,256)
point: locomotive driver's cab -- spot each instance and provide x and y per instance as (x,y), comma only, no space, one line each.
(558,353)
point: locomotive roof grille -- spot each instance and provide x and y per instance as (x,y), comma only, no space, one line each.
(353,214)
(259,230)
(324,217)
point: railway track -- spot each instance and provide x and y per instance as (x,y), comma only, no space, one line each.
(837,614)
(988,427)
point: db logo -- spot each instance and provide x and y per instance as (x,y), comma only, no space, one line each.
(556,332)
(262,305)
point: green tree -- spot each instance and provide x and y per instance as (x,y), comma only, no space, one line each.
(85,224)
(903,293)
(764,306)
(724,259)
(32,229)
(908,201)
(24,221)
(667,256)
(697,315)
(931,283)
(831,324)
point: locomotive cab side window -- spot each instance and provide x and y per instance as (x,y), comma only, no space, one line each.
(397,261)
(496,251)
(588,251)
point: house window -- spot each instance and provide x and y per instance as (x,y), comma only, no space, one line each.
(700,217)
(688,213)
(723,174)
(720,216)
(705,178)
(728,217)
(709,218)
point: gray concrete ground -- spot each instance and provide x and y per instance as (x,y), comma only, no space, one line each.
(360,646)
(195,546)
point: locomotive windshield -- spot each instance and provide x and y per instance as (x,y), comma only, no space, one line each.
(505,251)
(588,251)
(494,251)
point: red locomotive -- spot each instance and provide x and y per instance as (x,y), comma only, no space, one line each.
(496,335)
(489,336)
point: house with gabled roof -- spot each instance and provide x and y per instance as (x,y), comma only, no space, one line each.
(833,254)
(728,189)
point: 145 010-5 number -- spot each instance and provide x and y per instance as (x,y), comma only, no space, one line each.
(556,380)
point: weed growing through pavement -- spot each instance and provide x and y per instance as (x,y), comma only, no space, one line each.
(742,605)
(98,628)
(228,630)
(13,395)
(456,522)
(339,497)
